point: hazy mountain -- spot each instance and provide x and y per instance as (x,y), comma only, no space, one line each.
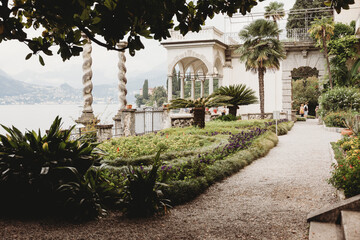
(13,91)
(12,87)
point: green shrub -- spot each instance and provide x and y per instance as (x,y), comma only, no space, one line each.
(335,119)
(46,174)
(300,119)
(340,99)
(226,118)
(282,128)
(347,171)
(143,196)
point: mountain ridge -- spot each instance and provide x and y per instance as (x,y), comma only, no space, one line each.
(13,91)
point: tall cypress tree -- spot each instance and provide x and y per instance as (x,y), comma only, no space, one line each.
(303,19)
(146,89)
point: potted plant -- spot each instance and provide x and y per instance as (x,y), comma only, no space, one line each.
(240,95)
(198,106)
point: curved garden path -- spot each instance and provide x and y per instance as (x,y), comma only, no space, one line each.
(268,199)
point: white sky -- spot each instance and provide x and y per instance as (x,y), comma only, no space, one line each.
(56,72)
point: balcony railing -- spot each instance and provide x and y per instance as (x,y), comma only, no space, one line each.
(232,38)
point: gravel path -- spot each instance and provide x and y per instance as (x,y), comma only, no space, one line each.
(269,199)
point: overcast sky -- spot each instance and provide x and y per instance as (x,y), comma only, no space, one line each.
(56,72)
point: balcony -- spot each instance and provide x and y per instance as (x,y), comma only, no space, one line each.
(232,38)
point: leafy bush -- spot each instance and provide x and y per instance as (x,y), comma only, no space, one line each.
(352,121)
(347,171)
(340,99)
(46,174)
(300,119)
(143,197)
(335,119)
(227,118)
(282,128)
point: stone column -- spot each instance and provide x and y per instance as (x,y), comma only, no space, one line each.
(202,87)
(220,82)
(87,117)
(182,86)
(119,130)
(287,92)
(166,118)
(128,122)
(211,84)
(122,77)
(192,87)
(169,87)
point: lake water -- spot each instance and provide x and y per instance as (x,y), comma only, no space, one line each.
(34,117)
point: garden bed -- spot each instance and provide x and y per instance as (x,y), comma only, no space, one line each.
(225,148)
(137,176)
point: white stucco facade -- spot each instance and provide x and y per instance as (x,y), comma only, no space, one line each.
(211,54)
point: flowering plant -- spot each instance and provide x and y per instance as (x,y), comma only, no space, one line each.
(346,174)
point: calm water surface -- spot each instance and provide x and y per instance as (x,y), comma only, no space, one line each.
(34,117)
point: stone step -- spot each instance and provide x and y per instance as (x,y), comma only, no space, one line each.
(325,231)
(332,213)
(350,221)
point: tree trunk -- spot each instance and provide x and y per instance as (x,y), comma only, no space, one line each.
(233,110)
(199,117)
(261,91)
(328,63)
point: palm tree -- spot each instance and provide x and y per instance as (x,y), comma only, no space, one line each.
(240,95)
(322,30)
(276,11)
(261,51)
(198,106)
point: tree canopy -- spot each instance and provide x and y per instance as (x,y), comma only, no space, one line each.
(105,22)
(275,10)
(299,19)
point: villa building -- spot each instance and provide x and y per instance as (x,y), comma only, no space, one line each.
(209,57)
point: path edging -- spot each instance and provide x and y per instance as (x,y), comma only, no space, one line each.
(333,129)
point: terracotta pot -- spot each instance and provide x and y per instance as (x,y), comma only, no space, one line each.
(129,106)
(347,132)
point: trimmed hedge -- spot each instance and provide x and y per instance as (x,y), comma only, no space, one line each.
(186,190)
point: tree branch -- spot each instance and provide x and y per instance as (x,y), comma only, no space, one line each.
(92,38)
